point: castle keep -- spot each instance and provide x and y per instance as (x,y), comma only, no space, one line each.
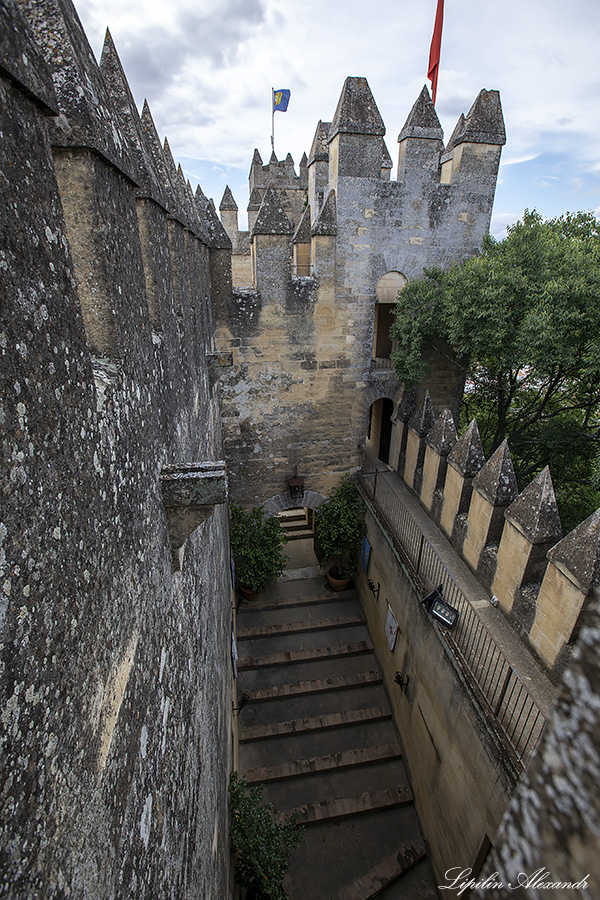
(316,276)
(157,362)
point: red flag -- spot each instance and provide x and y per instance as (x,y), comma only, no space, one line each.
(436,46)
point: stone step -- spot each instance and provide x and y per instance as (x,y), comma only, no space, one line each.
(301,627)
(384,873)
(351,806)
(314,723)
(297,534)
(316,703)
(315,686)
(291,600)
(295,656)
(316,764)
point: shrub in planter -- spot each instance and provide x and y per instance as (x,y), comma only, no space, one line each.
(339,526)
(262,844)
(256,545)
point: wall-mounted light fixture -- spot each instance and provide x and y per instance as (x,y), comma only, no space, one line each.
(402,681)
(242,702)
(296,486)
(374,590)
(439,609)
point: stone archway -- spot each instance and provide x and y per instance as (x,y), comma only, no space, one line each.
(280,502)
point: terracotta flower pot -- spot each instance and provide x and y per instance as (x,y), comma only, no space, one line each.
(337,584)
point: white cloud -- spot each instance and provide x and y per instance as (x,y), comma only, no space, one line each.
(207,69)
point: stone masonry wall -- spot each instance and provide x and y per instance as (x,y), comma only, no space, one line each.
(116,685)
(302,382)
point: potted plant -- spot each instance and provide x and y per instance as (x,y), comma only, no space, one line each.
(256,545)
(339,526)
(261,841)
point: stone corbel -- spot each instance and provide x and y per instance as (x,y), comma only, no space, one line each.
(217,362)
(190,494)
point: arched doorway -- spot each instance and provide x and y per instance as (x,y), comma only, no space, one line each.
(387,290)
(379,431)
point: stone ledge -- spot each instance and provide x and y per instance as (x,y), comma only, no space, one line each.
(190,493)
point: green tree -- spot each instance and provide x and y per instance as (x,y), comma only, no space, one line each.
(256,544)
(523,320)
(262,843)
(339,526)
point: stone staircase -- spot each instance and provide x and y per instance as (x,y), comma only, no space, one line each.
(318,733)
(295,523)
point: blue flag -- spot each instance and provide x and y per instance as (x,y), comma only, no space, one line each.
(281,100)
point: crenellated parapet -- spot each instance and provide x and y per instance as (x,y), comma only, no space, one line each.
(512,541)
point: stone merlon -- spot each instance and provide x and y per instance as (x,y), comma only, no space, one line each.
(228,202)
(423,419)
(468,456)
(535,511)
(356,111)
(578,554)
(272,218)
(484,123)
(442,436)
(496,480)
(422,121)
(327,221)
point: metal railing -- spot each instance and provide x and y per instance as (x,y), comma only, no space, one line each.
(496,682)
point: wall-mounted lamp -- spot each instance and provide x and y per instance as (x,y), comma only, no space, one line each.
(296,486)
(439,609)
(242,702)
(401,681)
(374,590)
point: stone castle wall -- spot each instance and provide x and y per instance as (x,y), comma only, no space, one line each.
(116,682)
(303,378)
(512,541)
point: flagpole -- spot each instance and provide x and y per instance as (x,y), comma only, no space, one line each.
(273,119)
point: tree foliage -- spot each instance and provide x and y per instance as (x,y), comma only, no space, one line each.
(339,526)
(523,317)
(256,545)
(262,844)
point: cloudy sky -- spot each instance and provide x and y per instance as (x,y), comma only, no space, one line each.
(207,70)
